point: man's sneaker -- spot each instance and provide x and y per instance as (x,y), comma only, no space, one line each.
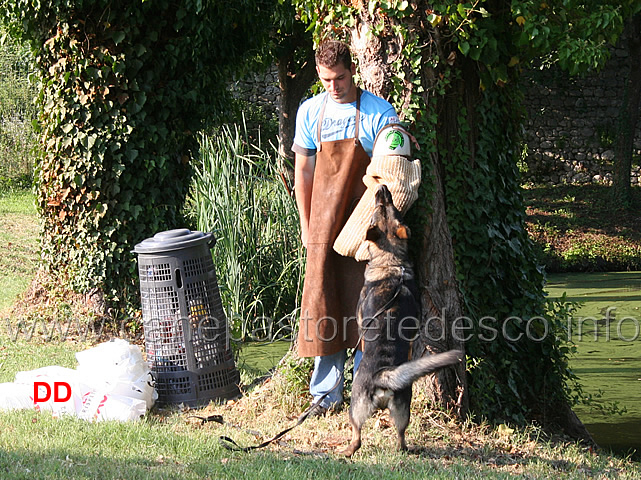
(317,411)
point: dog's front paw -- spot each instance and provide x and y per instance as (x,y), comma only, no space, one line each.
(351,449)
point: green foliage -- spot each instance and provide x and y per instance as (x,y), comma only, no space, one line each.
(259,125)
(18,140)
(123,87)
(598,252)
(498,274)
(239,196)
(455,81)
(292,382)
(589,253)
(287,33)
(574,33)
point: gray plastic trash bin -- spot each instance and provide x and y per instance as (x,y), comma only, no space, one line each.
(186,332)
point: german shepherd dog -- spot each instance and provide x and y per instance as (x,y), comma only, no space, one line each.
(388,313)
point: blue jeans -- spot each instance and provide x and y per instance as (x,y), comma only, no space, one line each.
(327,370)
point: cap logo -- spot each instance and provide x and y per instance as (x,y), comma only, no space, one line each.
(394,139)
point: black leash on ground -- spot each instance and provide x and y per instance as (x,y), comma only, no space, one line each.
(230,444)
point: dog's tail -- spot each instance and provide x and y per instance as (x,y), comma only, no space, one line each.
(406,374)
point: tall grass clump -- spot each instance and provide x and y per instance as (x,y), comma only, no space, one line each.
(239,195)
(18,112)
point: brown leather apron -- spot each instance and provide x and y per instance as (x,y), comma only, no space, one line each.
(332,282)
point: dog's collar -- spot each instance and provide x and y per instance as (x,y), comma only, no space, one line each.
(400,265)
(404,269)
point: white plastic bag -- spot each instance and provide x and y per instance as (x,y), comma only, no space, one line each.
(97,406)
(48,374)
(15,396)
(52,388)
(117,367)
(116,358)
(112,382)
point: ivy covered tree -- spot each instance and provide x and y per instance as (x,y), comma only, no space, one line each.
(124,86)
(452,70)
(628,116)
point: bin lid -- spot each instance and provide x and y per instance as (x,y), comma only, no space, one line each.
(171,240)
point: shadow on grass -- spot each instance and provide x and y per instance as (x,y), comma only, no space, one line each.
(60,464)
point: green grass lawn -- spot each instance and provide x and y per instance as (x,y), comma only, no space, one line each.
(169,444)
(34,446)
(18,244)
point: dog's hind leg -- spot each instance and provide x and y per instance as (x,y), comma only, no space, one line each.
(355,444)
(399,409)
(360,410)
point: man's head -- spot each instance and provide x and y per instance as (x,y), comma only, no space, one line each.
(335,69)
(331,53)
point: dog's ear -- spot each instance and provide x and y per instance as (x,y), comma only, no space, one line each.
(402,232)
(373,233)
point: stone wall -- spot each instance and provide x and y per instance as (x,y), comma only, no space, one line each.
(571,124)
(570,127)
(259,89)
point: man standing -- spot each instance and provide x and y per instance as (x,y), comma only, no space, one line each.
(335,133)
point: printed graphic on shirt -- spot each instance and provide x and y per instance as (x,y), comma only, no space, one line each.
(339,122)
(332,128)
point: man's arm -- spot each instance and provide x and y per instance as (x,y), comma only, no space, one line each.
(303,181)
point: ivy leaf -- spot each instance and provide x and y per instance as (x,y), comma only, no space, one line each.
(476,53)
(434,19)
(132,154)
(79,179)
(118,37)
(140,49)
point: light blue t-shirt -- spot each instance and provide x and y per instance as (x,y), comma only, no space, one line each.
(339,121)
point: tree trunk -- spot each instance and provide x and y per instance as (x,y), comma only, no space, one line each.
(436,271)
(628,116)
(466,113)
(293,87)
(440,304)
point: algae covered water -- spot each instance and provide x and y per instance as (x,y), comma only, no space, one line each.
(260,357)
(607,331)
